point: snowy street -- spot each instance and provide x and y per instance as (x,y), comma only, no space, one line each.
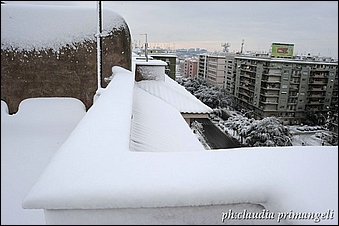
(308,138)
(215,137)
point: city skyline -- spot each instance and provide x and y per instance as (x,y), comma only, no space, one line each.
(311,26)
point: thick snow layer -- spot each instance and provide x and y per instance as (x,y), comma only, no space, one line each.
(95,169)
(189,215)
(167,91)
(29,139)
(36,27)
(157,126)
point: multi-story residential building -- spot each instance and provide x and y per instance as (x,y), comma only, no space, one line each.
(269,86)
(212,69)
(191,67)
(229,74)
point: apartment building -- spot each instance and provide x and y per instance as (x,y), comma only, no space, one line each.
(212,69)
(270,86)
(191,67)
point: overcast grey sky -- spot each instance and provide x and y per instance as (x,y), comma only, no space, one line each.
(311,25)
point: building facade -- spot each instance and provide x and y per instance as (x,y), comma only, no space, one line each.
(269,86)
(212,69)
(191,67)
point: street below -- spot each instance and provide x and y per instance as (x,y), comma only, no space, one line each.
(215,138)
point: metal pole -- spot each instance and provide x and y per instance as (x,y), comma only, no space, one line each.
(205,66)
(146,45)
(99,43)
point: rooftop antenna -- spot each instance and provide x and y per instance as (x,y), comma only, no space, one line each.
(242,45)
(225,45)
(146,44)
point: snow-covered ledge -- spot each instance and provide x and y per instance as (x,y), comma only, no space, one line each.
(94,178)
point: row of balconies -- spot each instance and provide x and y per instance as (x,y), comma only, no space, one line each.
(253,63)
(271,73)
(264,81)
(272,87)
(310,88)
(246,93)
(314,103)
(318,82)
(319,75)
(272,67)
(266,108)
(320,69)
(247,88)
(316,95)
(248,76)
(247,70)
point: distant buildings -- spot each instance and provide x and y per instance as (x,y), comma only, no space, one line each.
(190,52)
(191,67)
(274,86)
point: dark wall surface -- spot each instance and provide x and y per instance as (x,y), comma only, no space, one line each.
(69,72)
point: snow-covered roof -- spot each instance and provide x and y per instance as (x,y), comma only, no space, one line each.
(159,84)
(158,127)
(95,168)
(174,94)
(50,29)
(111,157)
(142,61)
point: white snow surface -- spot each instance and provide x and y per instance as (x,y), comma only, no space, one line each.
(153,131)
(174,94)
(53,26)
(151,72)
(29,139)
(95,168)
(55,155)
